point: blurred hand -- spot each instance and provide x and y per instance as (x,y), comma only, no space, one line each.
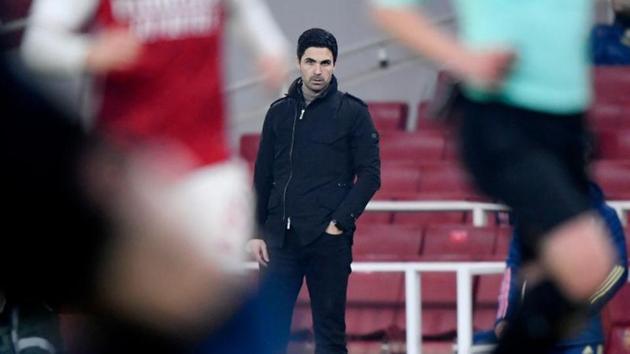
(113,49)
(258,248)
(332,229)
(485,70)
(274,70)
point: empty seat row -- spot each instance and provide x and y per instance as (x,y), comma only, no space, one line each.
(612,143)
(431,243)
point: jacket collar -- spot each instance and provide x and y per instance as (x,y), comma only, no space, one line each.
(295,90)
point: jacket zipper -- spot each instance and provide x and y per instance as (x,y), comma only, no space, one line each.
(286,187)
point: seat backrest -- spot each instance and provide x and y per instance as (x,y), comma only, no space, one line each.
(389,116)
(387,243)
(458,242)
(412,146)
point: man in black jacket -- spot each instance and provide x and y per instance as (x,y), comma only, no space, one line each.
(317,167)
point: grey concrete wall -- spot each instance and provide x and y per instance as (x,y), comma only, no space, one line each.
(406,79)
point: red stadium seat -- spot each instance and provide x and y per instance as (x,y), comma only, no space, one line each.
(422,218)
(398,179)
(249,146)
(484,318)
(369,218)
(439,289)
(488,287)
(611,84)
(412,147)
(445,180)
(614,177)
(389,116)
(605,115)
(439,309)
(619,307)
(387,243)
(373,301)
(613,143)
(458,242)
(439,181)
(618,340)
(504,236)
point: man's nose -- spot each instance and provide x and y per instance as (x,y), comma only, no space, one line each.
(318,69)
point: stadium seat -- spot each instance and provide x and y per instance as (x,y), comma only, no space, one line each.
(605,115)
(619,307)
(389,116)
(387,243)
(422,218)
(614,178)
(373,301)
(613,143)
(618,340)
(611,84)
(439,306)
(502,244)
(485,300)
(413,147)
(398,179)
(458,242)
(445,180)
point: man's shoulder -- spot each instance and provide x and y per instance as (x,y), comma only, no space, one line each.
(354,99)
(277,103)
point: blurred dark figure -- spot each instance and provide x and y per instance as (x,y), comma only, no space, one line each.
(52,232)
(87,229)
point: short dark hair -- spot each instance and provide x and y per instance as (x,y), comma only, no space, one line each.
(318,38)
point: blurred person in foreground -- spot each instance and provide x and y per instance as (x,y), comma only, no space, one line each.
(159,65)
(611,42)
(526,85)
(591,338)
(103,231)
(317,167)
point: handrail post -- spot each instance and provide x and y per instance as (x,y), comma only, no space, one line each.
(479,216)
(413,311)
(464,311)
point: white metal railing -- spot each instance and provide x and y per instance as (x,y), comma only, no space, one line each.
(479,210)
(413,294)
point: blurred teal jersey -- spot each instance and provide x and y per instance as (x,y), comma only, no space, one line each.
(550,38)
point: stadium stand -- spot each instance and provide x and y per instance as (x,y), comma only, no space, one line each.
(389,116)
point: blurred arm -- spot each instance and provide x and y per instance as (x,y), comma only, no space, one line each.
(51,42)
(482,68)
(261,32)
(412,28)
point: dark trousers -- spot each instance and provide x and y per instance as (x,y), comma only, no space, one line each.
(325,264)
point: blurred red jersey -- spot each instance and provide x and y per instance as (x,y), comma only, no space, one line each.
(174,93)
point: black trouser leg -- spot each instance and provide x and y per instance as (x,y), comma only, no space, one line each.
(280,285)
(327,269)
